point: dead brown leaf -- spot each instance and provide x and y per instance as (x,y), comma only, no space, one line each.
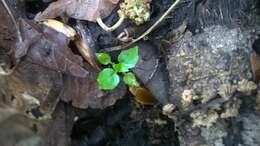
(46,47)
(57,131)
(85,93)
(31,90)
(86,45)
(88,10)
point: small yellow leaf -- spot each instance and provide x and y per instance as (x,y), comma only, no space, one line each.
(142,95)
(60,27)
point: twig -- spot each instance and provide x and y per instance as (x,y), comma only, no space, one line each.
(118,48)
(155,24)
(19,35)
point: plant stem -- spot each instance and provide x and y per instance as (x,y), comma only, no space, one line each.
(112,28)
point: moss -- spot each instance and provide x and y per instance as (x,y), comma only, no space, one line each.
(136,10)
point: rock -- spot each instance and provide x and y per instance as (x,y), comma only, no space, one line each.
(151,71)
(217,61)
(207,61)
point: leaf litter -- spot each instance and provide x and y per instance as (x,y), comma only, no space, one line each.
(45,47)
(88,10)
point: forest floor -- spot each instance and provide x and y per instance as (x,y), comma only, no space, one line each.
(196,63)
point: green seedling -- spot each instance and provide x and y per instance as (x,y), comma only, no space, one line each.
(108,78)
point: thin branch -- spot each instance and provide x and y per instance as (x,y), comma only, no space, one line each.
(155,24)
(118,48)
(19,35)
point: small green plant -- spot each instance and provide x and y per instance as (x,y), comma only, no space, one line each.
(108,78)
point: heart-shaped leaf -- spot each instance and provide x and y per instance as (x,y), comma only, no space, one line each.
(129,79)
(120,67)
(108,79)
(103,58)
(129,57)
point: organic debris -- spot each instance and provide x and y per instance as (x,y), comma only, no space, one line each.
(88,10)
(142,95)
(44,46)
(60,27)
(84,92)
(86,45)
(32,90)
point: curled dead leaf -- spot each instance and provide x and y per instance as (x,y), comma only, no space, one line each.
(142,95)
(86,45)
(60,27)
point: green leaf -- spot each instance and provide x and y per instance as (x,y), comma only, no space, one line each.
(103,58)
(120,67)
(129,57)
(130,80)
(108,79)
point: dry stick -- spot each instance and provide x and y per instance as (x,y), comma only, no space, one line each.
(19,35)
(117,48)
(154,25)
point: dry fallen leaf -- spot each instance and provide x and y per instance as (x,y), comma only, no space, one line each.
(84,92)
(86,45)
(60,27)
(31,90)
(46,47)
(142,95)
(88,10)
(57,131)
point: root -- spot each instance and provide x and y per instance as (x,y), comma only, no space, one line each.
(112,28)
